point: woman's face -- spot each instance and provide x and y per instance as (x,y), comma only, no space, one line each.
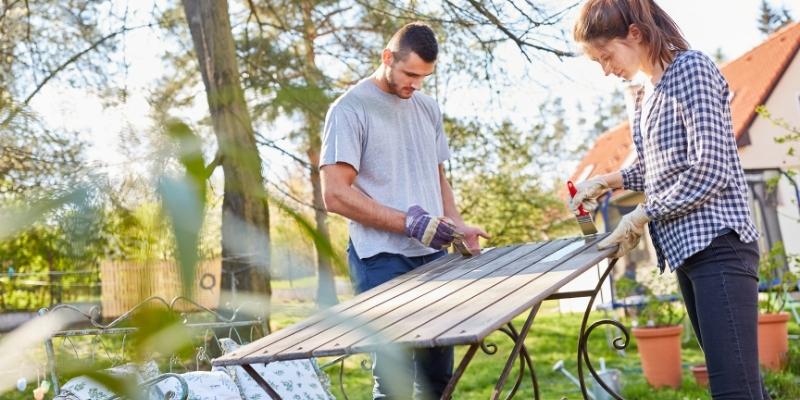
(619,56)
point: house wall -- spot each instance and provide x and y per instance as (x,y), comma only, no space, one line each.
(764,152)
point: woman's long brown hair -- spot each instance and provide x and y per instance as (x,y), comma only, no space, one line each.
(610,19)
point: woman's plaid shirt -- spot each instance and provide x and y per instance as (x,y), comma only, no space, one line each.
(688,166)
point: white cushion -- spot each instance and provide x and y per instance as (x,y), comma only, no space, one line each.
(84,388)
(203,385)
(296,379)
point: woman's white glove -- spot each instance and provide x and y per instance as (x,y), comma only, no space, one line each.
(587,194)
(627,233)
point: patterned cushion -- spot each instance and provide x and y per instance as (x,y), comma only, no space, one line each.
(84,388)
(203,385)
(296,379)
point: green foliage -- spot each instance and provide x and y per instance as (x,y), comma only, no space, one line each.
(782,385)
(625,286)
(56,235)
(659,310)
(659,313)
(792,135)
(772,267)
(495,172)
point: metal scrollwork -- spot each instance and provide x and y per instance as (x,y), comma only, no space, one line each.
(619,342)
(489,348)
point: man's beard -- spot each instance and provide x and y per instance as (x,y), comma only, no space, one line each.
(393,87)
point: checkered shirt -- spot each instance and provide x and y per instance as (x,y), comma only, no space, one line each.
(688,166)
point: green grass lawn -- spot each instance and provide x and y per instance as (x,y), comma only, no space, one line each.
(553,338)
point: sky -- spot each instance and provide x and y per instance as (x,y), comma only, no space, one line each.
(708,25)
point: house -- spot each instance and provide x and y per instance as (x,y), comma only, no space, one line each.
(769,75)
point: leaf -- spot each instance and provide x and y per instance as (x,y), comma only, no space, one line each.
(184,206)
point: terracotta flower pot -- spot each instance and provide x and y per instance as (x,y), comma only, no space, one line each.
(773,340)
(700,373)
(660,352)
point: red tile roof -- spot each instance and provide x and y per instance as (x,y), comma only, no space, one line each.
(751,78)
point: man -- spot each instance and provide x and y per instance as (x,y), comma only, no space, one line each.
(382,152)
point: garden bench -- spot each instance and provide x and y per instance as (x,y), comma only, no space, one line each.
(216,334)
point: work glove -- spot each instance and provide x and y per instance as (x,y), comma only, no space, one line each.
(587,194)
(628,233)
(434,232)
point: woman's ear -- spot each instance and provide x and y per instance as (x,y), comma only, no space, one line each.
(634,33)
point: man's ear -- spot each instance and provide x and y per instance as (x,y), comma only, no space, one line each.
(387,57)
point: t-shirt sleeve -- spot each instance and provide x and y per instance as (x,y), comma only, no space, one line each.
(442,148)
(342,137)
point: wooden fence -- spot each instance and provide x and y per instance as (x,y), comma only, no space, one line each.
(125,284)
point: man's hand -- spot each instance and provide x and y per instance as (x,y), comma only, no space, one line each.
(434,232)
(470,235)
(627,233)
(587,194)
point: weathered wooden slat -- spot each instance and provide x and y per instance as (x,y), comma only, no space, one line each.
(430,268)
(349,317)
(530,292)
(421,328)
(399,310)
(359,318)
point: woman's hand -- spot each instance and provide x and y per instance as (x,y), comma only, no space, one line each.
(627,233)
(587,194)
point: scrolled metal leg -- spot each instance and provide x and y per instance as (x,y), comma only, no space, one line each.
(583,351)
(527,357)
(519,343)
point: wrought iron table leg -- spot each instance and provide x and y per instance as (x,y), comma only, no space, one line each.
(519,343)
(525,357)
(451,385)
(583,352)
(261,382)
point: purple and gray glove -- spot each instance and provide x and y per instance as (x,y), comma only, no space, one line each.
(434,232)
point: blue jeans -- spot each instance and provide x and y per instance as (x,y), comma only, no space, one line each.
(396,377)
(720,288)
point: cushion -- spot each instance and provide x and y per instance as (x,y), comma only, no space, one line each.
(85,388)
(295,379)
(203,385)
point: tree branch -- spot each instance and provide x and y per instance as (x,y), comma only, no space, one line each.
(261,139)
(65,64)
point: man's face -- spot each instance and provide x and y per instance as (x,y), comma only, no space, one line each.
(406,76)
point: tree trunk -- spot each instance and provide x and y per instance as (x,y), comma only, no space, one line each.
(245,212)
(326,284)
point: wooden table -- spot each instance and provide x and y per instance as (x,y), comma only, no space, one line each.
(451,301)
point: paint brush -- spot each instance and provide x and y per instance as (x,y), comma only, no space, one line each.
(583,217)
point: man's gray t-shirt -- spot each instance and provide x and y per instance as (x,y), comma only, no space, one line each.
(396,146)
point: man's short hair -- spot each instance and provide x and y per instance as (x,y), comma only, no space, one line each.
(416,37)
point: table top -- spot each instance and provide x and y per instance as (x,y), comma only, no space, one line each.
(453,300)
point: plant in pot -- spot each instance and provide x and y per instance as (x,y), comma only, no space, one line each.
(658,331)
(773,333)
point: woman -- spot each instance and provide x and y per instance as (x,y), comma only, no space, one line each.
(688,167)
